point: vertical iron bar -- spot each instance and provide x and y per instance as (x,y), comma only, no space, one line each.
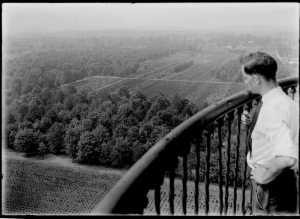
(197,146)
(293,92)
(184,182)
(207,164)
(237,160)
(251,196)
(245,164)
(244,179)
(228,160)
(171,191)
(220,165)
(157,199)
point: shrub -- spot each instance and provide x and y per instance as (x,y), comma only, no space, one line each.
(10,134)
(55,136)
(122,153)
(88,148)
(26,140)
(42,149)
(71,139)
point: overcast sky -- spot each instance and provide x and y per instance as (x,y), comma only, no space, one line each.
(249,17)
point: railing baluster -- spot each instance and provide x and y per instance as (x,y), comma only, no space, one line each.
(248,107)
(184,182)
(239,111)
(157,199)
(197,147)
(286,90)
(293,92)
(229,119)
(251,196)
(171,191)
(207,164)
(220,123)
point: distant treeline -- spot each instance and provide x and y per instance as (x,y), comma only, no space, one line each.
(51,62)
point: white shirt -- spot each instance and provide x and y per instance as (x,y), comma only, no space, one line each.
(296,97)
(276,130)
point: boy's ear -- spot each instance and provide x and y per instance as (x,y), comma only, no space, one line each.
(257,78)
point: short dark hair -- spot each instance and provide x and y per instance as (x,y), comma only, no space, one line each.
(260,63)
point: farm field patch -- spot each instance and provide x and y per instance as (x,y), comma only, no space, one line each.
(35,187)
(58,187)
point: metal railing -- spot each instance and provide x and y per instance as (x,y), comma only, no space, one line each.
(213,132)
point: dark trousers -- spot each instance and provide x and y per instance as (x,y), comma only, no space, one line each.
(278,197)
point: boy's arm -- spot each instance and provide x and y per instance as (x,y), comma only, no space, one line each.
(268,172)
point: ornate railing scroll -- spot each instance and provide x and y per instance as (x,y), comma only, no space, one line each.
(170,160)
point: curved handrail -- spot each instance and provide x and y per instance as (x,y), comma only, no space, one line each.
(168,147)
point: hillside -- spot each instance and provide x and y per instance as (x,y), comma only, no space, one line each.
(53,185)
(56,186)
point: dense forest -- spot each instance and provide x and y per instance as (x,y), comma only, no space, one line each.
(115,130)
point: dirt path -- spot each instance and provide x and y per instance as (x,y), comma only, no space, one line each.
(59,160)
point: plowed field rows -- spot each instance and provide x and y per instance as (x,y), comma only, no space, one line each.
(38,187)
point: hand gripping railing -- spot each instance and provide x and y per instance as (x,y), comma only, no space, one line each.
(195,135)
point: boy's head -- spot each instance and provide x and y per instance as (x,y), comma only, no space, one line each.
(257,68)
(260,63)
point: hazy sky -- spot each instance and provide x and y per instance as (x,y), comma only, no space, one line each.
(250,17)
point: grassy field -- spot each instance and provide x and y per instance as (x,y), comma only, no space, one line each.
(56,186)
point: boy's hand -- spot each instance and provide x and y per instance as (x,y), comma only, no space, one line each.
(258,173)
(246,118)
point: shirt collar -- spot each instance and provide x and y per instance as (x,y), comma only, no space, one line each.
(271,93)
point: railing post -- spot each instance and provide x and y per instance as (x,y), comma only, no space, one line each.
(248,108)
(172,179)
(293,91)
(157,199)
(157,190)
(219,124)
(207,164)
(238,112)
(184,183)
(171,191)
(229,118)
(197,147)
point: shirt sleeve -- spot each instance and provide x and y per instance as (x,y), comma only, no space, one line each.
(278,132)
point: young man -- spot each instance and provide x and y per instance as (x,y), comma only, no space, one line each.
(274,140)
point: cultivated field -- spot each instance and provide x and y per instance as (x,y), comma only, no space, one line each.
(214,75)
(213,72)
(50,186)
(56,186)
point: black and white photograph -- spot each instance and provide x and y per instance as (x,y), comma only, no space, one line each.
(167,108)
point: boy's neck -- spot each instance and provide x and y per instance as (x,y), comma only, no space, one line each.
(267,86)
